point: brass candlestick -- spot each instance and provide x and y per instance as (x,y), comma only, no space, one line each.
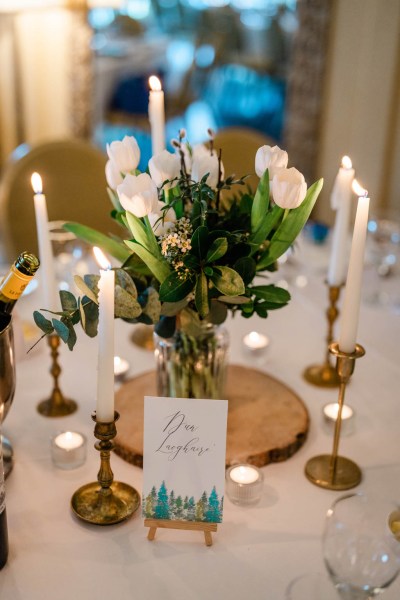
(325,375)
(105,501)
(335,472)
(57,405)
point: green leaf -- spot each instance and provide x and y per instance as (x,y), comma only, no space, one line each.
(268,224)
(89,316)
(260,202)
(228,282)
(159,268)
(126,306)
(199,242)
(217,249)
(201,295)
(125,281)
(85,289)
(153,306)
(234,299)
(191,261)
(174,288)
(138,230)
(290,227)
(208,271)
(61,330)
(43,323)
(72,336)
(218,312)
(96,238)
(271,293)
(68,300)
(171,309)
(246,267)
(135,265)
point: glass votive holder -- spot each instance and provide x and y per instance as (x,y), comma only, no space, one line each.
(68,449)
(255,343)
(329,417)
(244,484)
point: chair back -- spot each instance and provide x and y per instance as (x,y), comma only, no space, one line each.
(74,183)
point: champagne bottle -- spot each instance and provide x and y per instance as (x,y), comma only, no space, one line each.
(16,280)
(3,516)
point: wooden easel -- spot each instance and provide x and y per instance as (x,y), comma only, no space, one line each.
(207,528)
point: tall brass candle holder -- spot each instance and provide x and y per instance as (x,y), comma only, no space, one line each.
(56,405)
(331,471)
(326,375)
(105,501)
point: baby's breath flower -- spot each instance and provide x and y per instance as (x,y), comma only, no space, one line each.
(176,243)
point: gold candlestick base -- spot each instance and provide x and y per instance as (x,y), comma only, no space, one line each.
(319,471)
(105,502)
(56,405)
(325,375)
(334,472)
(322,375)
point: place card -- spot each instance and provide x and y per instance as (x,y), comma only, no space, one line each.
(184,459)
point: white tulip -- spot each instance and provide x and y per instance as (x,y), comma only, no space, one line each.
(162,221)
(138,195)
(113,175)
(162,166)
(125,155)
(206,163)
(288,188)
(271,158)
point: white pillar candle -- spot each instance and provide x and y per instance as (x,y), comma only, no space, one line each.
(47,271)
(341,202)
(156,115)
(105,377)
(352,298)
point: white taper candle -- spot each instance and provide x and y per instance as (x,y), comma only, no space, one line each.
(352,298)
(105,376)
(156,115)
(341,202)
(47,272)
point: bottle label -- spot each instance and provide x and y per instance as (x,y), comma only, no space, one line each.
(14,283)
(2,486)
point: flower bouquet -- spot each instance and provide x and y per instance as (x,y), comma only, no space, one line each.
(192,245)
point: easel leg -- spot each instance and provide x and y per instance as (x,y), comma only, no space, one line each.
(208,538)
(152,533)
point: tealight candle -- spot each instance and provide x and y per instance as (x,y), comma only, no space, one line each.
(244,484)
(68,450)
(330,413)
(121,367)
(255,342)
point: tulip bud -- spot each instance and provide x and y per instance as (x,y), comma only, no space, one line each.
(288,188)
(270,158)
(125,155)
(204,162)
(162,221)
(113,175)
(138,195)
(164,166)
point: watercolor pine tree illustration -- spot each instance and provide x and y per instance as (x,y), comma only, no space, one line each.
(161,505)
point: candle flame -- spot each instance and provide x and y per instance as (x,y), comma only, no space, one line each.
(101,258)
(358,189)
(346,162)
(155,84)
(36,182)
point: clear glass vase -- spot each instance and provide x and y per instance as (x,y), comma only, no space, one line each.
(192,366)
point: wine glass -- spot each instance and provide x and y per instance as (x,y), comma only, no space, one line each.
(360,547)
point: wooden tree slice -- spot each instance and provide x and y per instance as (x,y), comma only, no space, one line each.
(267,421)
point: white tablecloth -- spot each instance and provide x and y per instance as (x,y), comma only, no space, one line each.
(257,551)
